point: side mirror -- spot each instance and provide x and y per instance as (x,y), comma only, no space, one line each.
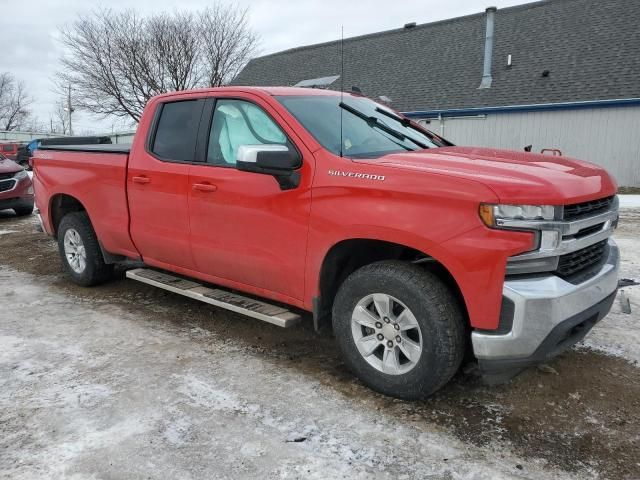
(276,160)
(259,158)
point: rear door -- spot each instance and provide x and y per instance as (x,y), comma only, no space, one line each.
(245,230)
(158,185)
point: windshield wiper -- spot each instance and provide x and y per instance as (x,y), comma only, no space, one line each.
(405,122)
(375,122)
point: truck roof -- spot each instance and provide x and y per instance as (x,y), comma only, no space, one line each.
(294,91)
(273,91)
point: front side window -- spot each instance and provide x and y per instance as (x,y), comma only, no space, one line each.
(7,148)
(236,123)
(177,131)
(369,129)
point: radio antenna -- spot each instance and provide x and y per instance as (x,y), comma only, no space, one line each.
(341,83)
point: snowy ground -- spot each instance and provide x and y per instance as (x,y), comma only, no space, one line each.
(629,201)
(125,381)
(619,335)
(87,389)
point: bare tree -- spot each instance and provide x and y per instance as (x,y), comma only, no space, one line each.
(227,41)
(14,102)
(34,125)
(106,63)
(116,61)
(175,45)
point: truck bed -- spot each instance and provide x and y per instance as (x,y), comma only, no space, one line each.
(100,148)
(97,176)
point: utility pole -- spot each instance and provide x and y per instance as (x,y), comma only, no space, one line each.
(69,109)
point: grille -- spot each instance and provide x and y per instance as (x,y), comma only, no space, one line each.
(589,230)
(6,185)
(4,176)
(580,259)
(578,210)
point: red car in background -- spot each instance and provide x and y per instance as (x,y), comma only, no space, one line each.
(9,150)
(16,188)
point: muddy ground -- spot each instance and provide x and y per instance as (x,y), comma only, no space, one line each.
(128,381)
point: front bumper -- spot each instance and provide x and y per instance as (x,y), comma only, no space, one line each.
(9,203)
(549,314)
(18,194)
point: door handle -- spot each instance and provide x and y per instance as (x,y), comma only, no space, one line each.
(140,180)
(204,187)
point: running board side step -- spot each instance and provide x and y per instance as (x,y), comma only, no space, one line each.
(220,298)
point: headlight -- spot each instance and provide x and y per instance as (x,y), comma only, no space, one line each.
(20,175)
(492,214)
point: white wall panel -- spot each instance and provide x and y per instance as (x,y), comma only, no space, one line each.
(609,137)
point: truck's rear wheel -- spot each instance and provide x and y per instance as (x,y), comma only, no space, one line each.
(400,329)
(80,250)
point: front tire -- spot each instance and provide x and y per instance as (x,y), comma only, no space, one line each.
(399,328)
(80,251)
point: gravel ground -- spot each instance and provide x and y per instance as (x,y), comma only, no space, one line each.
(128,381)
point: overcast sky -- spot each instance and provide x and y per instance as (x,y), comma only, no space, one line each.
(29,30)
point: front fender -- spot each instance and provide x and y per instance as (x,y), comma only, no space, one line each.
(476,260)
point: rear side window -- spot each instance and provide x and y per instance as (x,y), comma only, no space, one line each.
(177,130)
(7,148)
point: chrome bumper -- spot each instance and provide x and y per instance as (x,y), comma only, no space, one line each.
(541,304)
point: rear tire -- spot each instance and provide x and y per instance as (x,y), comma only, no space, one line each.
(420,344)
(80,251)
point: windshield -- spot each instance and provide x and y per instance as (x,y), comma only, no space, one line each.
(369,129)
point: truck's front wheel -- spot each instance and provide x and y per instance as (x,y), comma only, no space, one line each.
(400,329)
(80,250)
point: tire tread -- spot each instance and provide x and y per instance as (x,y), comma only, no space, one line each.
(435,294)
(97,270)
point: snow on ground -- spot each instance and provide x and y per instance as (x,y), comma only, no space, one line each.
(629,201)
(91,387)
(619,333)
(88,389)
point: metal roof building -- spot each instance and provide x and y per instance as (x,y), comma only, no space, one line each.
(563,74)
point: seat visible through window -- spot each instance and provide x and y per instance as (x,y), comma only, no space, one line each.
(236,123)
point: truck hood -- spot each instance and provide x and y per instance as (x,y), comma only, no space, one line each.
(9,166)
(515,177)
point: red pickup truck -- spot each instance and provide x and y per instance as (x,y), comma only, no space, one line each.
(414,250)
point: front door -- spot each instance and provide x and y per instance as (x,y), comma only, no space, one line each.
(246,230)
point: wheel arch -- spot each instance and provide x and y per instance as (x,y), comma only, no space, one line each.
(62,204)
(347,256)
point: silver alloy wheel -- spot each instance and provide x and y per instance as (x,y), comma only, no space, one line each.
(74,251)
(386,334)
